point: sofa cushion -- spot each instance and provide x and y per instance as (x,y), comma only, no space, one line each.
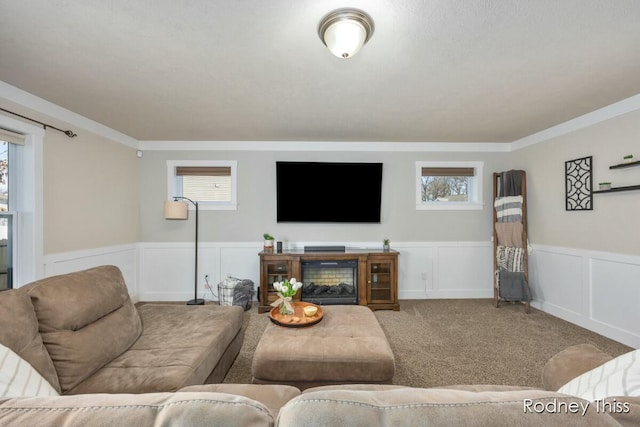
(179,346)
(571,362)
(272,396)
(153,409)
(437,407)
(617,377)
(19,379)
(86,320)
(19,332)
(626,418)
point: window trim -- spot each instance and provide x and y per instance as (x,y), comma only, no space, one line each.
(27,203)
(475,186)
(173,188)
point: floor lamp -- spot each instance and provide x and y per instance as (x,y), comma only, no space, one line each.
(176,209)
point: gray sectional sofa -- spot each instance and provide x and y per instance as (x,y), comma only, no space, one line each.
(83,334)
(118,365)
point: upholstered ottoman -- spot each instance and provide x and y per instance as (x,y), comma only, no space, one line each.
(347,346)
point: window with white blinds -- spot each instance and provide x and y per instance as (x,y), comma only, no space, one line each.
(449,185)
(11,137)
(8,142)
(22,190)
(210,183)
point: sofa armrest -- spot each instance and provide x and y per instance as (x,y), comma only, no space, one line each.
(571,362)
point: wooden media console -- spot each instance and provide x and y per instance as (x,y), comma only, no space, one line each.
(376,280)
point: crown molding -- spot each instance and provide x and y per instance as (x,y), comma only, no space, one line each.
(40,105)
(35,103)
(466,147)
(20,126)
(625,106)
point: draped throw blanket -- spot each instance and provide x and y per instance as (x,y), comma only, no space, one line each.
(511,282)
(509,209)
(510,259)
(512,286)
(510,183)
(509,234)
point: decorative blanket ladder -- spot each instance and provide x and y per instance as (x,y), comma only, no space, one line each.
(510,258)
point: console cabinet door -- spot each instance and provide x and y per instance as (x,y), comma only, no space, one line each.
(276,268)
(272,271)
(381,280)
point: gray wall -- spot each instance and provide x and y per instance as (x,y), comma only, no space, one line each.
(612,226)
(89,189)
(90,194)
(256,212)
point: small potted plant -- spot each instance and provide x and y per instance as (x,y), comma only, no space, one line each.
(628,158)
(268,242)
(385,245)
(605,185)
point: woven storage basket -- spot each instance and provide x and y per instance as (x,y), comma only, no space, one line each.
(225,291)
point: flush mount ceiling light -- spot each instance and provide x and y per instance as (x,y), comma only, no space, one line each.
(345,31)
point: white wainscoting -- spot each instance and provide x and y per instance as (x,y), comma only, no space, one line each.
(124,257)
(426,270)
(596,290)
(431,270)
(167,269)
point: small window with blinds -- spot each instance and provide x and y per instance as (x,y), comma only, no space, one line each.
(210,183)
(449,185)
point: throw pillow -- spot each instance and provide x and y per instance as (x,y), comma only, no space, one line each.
(19,379)
(617,377)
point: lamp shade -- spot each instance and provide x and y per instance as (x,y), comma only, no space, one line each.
(176,210)
(345,31)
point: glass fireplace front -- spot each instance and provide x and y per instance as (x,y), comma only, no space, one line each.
(330,282)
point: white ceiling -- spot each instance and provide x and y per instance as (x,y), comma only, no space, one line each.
(434,70)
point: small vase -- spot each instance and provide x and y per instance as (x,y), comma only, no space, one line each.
(284,311)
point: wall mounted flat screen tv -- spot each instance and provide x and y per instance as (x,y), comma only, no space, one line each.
(328,192)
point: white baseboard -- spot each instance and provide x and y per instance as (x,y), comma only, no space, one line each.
(464,294)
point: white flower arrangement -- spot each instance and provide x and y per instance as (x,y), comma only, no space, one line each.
(286,290)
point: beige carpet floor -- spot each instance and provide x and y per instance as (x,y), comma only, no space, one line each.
(447,342)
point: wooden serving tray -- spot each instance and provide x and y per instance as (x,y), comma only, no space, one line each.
(297,319)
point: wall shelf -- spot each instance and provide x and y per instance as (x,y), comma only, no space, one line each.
(625,165)
(618,189)
(625,188)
